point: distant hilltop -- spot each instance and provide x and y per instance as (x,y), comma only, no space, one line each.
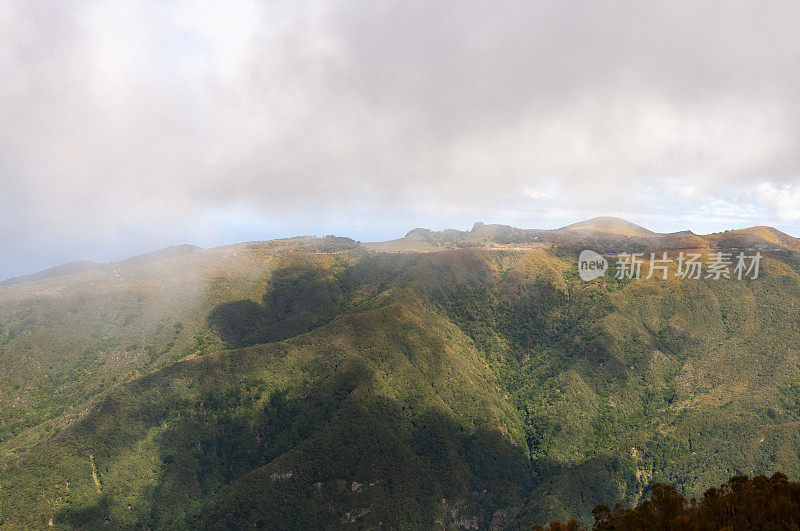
(602,234)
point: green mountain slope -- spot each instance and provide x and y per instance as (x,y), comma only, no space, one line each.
(304,383)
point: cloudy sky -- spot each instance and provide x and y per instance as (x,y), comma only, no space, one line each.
(131,125)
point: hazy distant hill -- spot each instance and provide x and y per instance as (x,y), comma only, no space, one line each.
(605,234)
(462,379)
(65,269)
(609,225)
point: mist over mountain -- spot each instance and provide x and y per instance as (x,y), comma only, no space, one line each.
(444,379)
(132,125)
(501,265)
(605,233)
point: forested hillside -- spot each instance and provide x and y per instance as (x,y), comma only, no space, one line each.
(321,383)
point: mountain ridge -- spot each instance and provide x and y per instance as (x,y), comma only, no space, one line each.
(312,381)
(603,233)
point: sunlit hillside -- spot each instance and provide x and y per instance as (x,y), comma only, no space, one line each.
(319,382)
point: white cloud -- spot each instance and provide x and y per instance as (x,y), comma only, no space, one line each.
(127,123)
(783,200)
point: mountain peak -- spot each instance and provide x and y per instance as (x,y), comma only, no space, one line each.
(610,225)
(418,234)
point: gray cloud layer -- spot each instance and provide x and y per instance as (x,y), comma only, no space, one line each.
(130,125)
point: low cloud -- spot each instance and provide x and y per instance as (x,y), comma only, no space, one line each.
(131,125)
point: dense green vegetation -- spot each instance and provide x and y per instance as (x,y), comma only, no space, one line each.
(318,385)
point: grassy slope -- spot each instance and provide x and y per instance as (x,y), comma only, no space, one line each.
(461,387)
(348,402)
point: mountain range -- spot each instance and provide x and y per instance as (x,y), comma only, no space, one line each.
(451,379)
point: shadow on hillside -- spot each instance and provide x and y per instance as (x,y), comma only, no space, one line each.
(302,297)
(298,300)
(237,456)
